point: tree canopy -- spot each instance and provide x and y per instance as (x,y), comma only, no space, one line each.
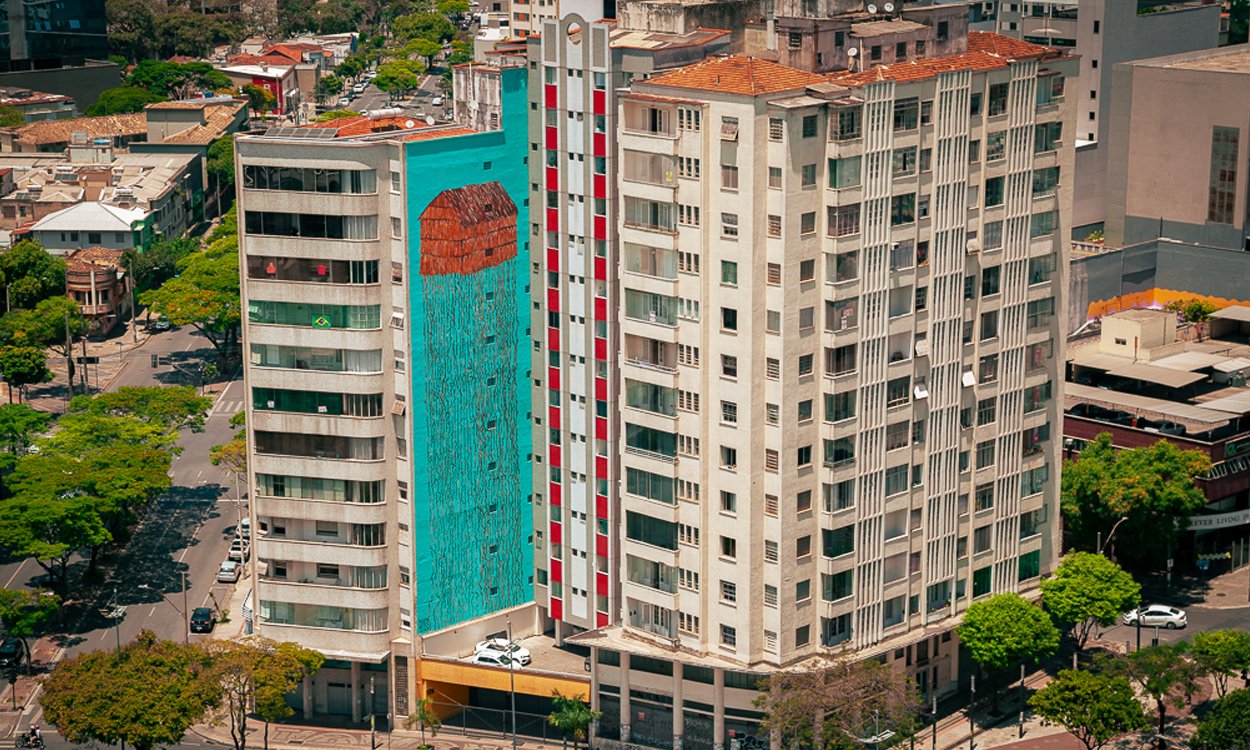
(172,407)
(23,366)
(328,87)
(1226,726)
(1152,487)
(31,274)
(177,80)
(571,715)
(1163,672)
(1095,708)
(121,100)
(19,424)
(26,613)
(255,674)
(424,25)
(159,263)
(259,98)
(1221,654)
(1086,590)
(1005,631)
(150,696)
(220,161)
(398,77)
(11,117)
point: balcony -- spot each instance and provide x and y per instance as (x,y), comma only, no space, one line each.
(313,552)
(660,356)
(323,592)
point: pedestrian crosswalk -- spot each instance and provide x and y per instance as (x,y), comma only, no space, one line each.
(227,407)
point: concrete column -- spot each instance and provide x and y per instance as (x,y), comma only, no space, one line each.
(309,705)
(559,630)
(679,723)
(626,709)
(357,715)
(594,693)
(718,709)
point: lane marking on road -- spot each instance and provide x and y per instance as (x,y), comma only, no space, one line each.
(9,583)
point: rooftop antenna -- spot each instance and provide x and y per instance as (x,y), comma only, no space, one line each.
(872,9)
(851,53)
(888,7)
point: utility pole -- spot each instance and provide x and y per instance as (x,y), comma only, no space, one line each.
(186,613)
(972,725)
(69,361)
(512,682)
(934,699)
(1022,699)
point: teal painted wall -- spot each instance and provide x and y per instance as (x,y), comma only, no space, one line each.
(471,482)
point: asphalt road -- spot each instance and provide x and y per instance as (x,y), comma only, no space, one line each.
(188,529)
(1200,618)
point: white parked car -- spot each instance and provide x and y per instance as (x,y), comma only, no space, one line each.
(245,529)
(520,653)
(358,88)
(229,572)
(495,659)
(437,102)
(240,550)
(344,102)
(1157,614)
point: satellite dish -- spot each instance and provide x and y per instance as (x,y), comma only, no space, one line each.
(872,8)
(410,124)
(852,52)
(888,7)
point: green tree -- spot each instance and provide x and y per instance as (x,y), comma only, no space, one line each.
(1163,672)
(425,49)
(26,612)
(1086,590)
(182,31)
(453,7)
(1152,486)
(22,366)
(829,705)
(206,292)
(11,117)
(328,87)
(1095,708)
(177,80)
(132,26)
(18,426)
(259,98)
(31,274)
(572,716)
(424,717)
(172,406)
(220,162)
(1221,654)
(55,323)
(424,25)
(1238,21)
(255,674)
(159,263)
(121,100)
(150,696)
(1193,310)
(1226,726)
(51,530)
(397,77)
(336,114)
(461,53)
(1005,631)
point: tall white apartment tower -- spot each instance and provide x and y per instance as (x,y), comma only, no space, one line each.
(859,437)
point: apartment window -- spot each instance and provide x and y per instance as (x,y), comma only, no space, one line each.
(839,451)
(922,300)
(806,365)
(688,535)
(984,495)
(837,586)
(728,458)
(992,235)
(896,436)
(900,52)
(728,547)
(849,124)
(729,225)
(998,98)
(982,579)
(771,554)
(987,370)
(974,151)
(689,119)
(728,636)
(845,172)
(875,53)
(981,539)
(904,161)
(772,322)
(1044,223)
(772,413)
(987,411)
(776,128)
(687,166)
(728,273)
(926,159)
(839,406)
(688,623)
(995,145)
(772,367)
(687,215)
(772,460)
(770,595)
(845,266)
(729,176)
(994,191)
(1046,136)
(729,322)
(811,125)
(989,325)
(807,222)
(1050,87)
(774,225)
(906,114)
(840,496)
(1040,312)
(808,173)
(896,480)
(1041,269)
(903,209)
(728,502)
(898,391)
(843,220)
(729,412)
(1045,181)
(807,318)
(1222,191)
(838,542)
(840,360)
(1033,481)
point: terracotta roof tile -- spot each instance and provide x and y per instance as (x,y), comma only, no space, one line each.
(738,74)
(986,51)
(357,125)
(59,131)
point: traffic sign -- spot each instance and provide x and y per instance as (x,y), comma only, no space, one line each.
(87,360)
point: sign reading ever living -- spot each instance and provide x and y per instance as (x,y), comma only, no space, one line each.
(1219,520)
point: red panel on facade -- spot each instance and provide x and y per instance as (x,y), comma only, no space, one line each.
(601,619)
(553,417)
(601,506)
(603,583)
(601,186)
(601,144)
(601,308)
(553,456)
(553,339)
(553,259)
(553,139)
(553,378)
(557,571)
(551,96)
(553,492)
(601,269)
(601,471)
(601,227)
(601,384)
(556,608)
(599,102)
(553,300)
(556,536)
(553,220)
(553,178)
(601,549)
(601,351)
(601,428)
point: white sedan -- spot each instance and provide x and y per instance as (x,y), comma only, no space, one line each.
(520,653)
(495,659)
(1157,614)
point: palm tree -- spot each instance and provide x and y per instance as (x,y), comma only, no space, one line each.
(572,716)
(424,717)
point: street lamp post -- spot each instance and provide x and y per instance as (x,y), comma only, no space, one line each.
(972,725)
(512,682)
(185,611)
(117,614)
(1102,547)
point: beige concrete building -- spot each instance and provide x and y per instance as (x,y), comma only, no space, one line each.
(856,437)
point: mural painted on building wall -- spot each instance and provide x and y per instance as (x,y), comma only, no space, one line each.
(468,282)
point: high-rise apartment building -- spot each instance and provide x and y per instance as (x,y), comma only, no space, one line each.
(386,283)
(528,16)
(577,67)
(853,283)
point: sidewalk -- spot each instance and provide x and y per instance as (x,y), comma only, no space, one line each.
(302,737)
(114,353)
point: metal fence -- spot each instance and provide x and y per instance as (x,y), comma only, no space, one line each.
(494,722)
